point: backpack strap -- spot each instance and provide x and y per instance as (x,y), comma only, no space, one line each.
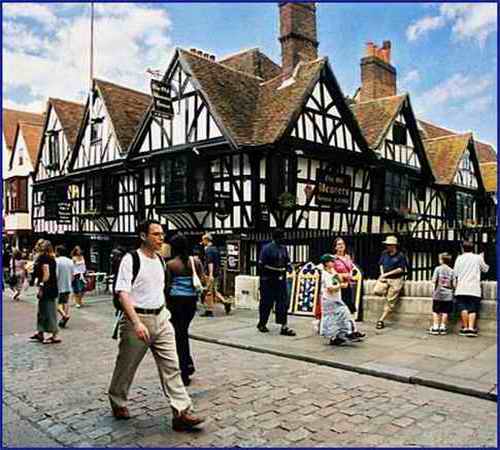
(136,265)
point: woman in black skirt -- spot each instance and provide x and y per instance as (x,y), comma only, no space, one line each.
(47,295)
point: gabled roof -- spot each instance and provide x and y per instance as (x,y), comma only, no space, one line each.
(445,154)
(253,62)
(376,116)
(485,152)
(251,111)
(70,115)
(126,108)
(32,134)
(10,119)
(489,175)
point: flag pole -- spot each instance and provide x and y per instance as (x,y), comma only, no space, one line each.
(91,74)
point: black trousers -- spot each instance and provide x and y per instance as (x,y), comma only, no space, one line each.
(347,298)
(182,310)
(273,291)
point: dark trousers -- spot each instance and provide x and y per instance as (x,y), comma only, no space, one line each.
(182,310)
(347,298)
(273,291)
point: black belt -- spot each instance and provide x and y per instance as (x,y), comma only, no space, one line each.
(154,312)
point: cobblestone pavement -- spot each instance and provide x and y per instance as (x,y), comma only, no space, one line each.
(55,395)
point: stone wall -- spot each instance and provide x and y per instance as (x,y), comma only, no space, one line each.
(415,306)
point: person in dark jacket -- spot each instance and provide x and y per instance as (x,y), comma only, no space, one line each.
(273,263)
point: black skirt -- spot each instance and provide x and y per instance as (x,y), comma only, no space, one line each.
(348,300)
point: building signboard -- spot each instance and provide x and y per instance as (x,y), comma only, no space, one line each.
(233,256)
(333,190)
(162,99)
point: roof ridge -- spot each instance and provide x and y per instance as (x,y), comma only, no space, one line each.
(439,126)
(233,55)
(404,94)
(65,101)
(222,65)
(135,91)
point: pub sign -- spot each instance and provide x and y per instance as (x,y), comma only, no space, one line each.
(162,100)
(333,190)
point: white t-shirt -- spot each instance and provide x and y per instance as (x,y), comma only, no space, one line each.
(148,289)
(64,271)
(329,280)
(468,268)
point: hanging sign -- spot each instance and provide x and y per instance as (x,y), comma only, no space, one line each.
(162,99)
(333,190)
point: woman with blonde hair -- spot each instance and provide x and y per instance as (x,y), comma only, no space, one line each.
(47,295)
(79,270)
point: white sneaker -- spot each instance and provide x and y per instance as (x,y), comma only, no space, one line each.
(434,331)
(78,306)
(443,329)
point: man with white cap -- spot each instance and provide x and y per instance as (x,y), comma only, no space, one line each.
(393,265)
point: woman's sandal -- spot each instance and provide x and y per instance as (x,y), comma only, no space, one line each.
(52,340)
(380,325)
(36,337)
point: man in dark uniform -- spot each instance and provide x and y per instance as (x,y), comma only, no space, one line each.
(273,262)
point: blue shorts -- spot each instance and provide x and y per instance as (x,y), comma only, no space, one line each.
(468,303)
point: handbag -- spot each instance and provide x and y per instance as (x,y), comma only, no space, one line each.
(197,285)
(381,287)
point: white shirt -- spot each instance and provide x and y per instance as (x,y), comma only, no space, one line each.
(148,289)
(468,268)
(329,280)
(64,271)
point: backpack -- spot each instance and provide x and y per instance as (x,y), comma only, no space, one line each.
(136,265)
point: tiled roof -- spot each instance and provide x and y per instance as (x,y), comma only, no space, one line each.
(445,153)
(489,175)
(251,111)
(10,119)
(279,104)
(485,152)
(126,108)
(70,114)
(32,135)
(376,116)
(253,62)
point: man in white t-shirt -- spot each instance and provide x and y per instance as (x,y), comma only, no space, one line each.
(468,268)
(146,325)
(64,271)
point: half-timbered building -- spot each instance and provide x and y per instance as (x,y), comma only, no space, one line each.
(241,145)
(19,180)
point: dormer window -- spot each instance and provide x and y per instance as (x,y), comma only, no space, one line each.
(399,134)
(53,144)
(20,154)
(96,129)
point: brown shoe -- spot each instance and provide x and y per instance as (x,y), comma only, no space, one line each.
(185,421)
(120,413)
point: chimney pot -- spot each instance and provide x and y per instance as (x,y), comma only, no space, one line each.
(206,55)
(212,57)
(378,77)
(192,50)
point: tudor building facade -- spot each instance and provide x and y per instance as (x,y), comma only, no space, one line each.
(246,146)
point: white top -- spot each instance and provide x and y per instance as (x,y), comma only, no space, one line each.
(64,271)
(327,281)
(79,267)
(468,268)
(148,289)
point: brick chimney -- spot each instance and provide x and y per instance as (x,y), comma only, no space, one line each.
(298,35)
(378,76)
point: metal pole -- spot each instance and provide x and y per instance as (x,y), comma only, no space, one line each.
(91,79)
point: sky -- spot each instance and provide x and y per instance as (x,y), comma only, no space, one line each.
(445,54)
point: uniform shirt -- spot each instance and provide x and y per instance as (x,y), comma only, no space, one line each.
(64,270)
(148,289)
(392,262)
(442,280)
(212,257)
(468,268)
(275,255)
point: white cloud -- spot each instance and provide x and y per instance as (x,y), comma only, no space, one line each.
(40,13)
(458,91)
(424,26)
(413,76)
(469,21)
(129,38)
(36,106)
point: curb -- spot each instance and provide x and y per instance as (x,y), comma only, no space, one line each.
(372,371)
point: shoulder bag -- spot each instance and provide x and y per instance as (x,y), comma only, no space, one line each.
(198,287)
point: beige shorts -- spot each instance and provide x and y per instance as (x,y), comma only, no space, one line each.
(394,291)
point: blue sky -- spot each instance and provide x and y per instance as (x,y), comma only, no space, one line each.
(445,53)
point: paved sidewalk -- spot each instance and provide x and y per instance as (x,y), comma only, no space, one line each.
(451,362)
(454,363)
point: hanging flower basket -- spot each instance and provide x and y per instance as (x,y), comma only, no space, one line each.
(287,200)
